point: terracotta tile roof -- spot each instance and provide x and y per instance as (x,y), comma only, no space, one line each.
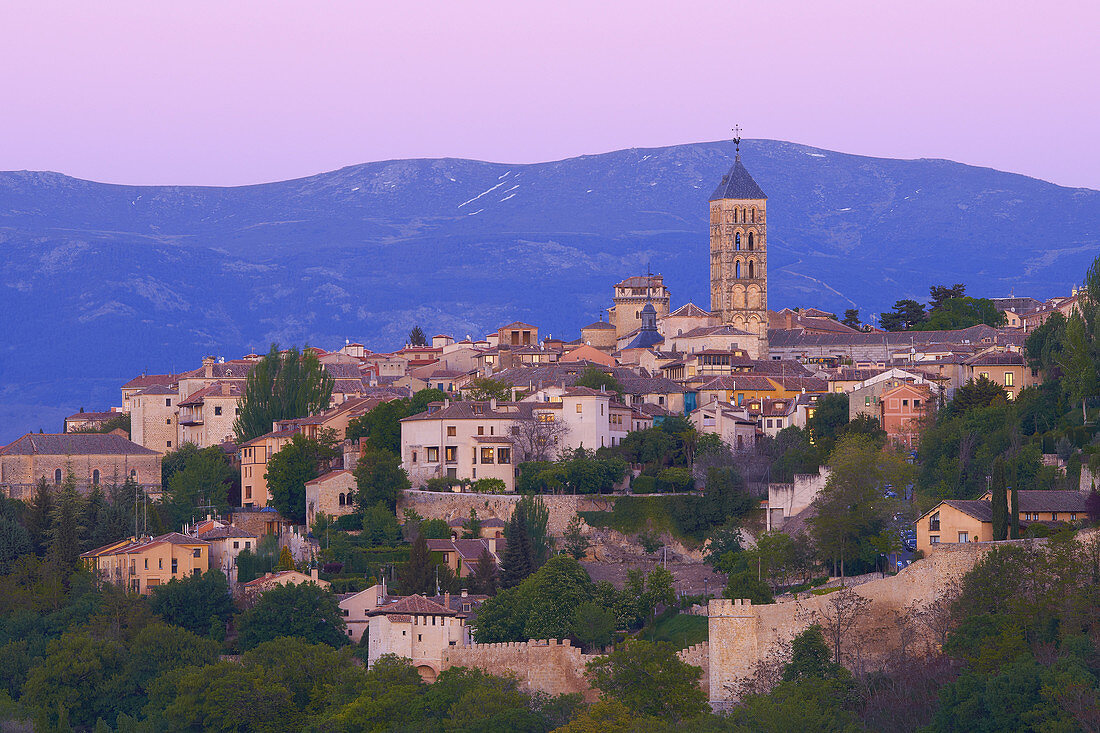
(227,532)
(74,444)
(415,605)
(468,410)
(689,310)
(1052,501)
(712,331)
(215,389)
(980,510)
(1003,358)
(598,324)
(328,476)
(149,380)
(94,415)
(126,547)
(156,389)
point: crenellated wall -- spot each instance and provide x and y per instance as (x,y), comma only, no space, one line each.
(550,666)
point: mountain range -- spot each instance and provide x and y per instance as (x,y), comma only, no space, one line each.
(101,282)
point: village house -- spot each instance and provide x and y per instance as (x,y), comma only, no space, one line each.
(282,577)
(903,409)
(732,424)
(92,458)
(1006,368)
(865,398)
(417,629)
(255,454)
(490,528)
(140,564)
(153,411)
(331,494)
(206,417)
(971,520)
(226,543)
(88,421)
(461,556)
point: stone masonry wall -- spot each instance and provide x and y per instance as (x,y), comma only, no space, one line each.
(449,505)
(553,667)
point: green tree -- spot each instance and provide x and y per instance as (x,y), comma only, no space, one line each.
(811,658)
(907,313)
(517,562)
(191,602)
(282,386)
(379,478)
(418,574)
(81,679)
(67,529)
(381,426)
(1000,500)
(305,610)
(976,393)
(486,578)
(487,388)
(957,313)
(222,697)
(380,526)
(649,679)
(420,400)
(576,543)
(593,625)
(159,648)
(14,541)
(746,583)
(829,420)
(286,560)
(939,295)
(1078,362)
(301,460)
(851,318)
(417,337)
(471,528)
(198,479)
(852,507)
(40,515)
(595,378)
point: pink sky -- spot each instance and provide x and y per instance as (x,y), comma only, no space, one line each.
(243,92)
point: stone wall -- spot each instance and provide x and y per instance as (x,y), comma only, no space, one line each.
(741,635)
(550,666)
(698,655)
(449,505)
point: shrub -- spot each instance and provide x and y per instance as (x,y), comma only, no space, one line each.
(644,485)
(674,480)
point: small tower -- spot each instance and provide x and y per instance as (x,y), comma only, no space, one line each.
(633,293)
(739,251)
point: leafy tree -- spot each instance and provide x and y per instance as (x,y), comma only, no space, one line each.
(418,574)
(1078,362)
(980,392)
(746,583)
(593,625)
(225,697)
(1000,500)
(314,667)
(199,478)
(829,420)
(81,679)
(957,313)
(381,426)
(941,294)
(471,528)
(536,517)
(487,388)
(299,461)
(485,578)
(794,454)
(812,659)
(379,478)
(417,337)
(282,386)
(576,543)
(851,318)
(852,507)
(1044,345)
(541,607)
(14,541)
(420,400)
(40,515)
(435,529)
(380,526)
(649,679)
(724,540)
(305,610)
(907,313)
(193,601)
(159,648)
(286,560)
(594,378)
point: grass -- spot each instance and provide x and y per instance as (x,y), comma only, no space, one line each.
(679,629)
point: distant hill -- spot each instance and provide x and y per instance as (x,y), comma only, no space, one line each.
(102,281)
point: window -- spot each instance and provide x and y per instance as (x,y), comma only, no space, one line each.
(167,421)
(95,477)
(57,476)
(933,539)
(486,455)
(750,242)
(146,563)
(1010,379)
(737,241)
(217,410)
(160,563)
(751,275)
(934,523)
(248,492)
(169,443)
(983,374)
(504,455)
(452,431)
(964,536)
(905,403)
(248,544)
(737,270)
(770,424)
(167,401)
(175,565)
(133,473)
(236,544)
(1073,516)
(414,457)
(481,430)
(578,407)
(867,401)
(1054,516)
(450,453)
(197,552)
(433,455)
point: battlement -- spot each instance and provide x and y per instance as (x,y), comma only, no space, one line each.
(516,645)
(736,608)
(552,666)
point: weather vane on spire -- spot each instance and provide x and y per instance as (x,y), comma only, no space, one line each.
(737,139)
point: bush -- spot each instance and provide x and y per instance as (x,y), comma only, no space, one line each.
(674,480)
(443,484)
(644,485)
(489,486)
(349,523)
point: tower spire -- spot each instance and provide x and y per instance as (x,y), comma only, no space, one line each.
(737,141)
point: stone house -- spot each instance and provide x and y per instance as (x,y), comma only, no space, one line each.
(461,556)
(153,412)
(733,425)
(226,543)
(140,564)
(903,408)
(331,493)
(355,606)
(93,458)
(588,353)
(599,335)
(142,383)
(283,577)
(1006,368)
(206,417)
(962,520)
(81,421)
(685,319)
(255,454)
(417,629)
(865,398)
(465,440)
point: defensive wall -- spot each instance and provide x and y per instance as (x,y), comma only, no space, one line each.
(551,666)
(451,505)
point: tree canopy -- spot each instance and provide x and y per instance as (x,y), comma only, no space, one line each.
(282,386)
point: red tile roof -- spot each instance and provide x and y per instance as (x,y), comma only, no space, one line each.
(415,605)
(73,444)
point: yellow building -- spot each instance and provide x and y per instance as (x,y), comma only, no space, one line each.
(139,564)
(971,520)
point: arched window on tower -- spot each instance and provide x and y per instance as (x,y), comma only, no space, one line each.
(95,477)
(750,242)
(753,213)
(57,476)
(751,275)
(736,274)
(737,241)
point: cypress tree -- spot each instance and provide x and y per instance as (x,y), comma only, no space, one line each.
(40,516)
(485,578)
(1014,514)
(517,560)
(1000,500)
(418,574)
(66,530)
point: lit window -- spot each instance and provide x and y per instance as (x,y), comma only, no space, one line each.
(433,455)
(578,407)
(450,453)
(504,455)
(486,455)
(1010,379)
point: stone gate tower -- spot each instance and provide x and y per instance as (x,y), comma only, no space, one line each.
(739,252)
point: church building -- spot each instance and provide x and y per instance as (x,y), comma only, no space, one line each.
(739,253)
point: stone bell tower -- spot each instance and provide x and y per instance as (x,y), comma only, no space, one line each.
(739,252)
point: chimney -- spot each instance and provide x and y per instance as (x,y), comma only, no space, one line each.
(208,367)
(464,592)
(493,404)
(447,599)
(225,389)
